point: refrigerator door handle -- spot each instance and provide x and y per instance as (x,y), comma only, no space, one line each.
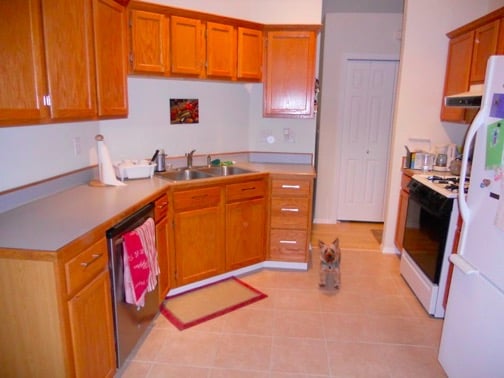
(461,263)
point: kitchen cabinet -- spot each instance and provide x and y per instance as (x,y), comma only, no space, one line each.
(187,46)
(58,60)
(289,82)
(221,50)
(290,218)
(149,42)
(245,223)
(456,241)
(163,226)
(468,50)
(58,309)
(198,234)
(109,22)
(250,54)
(402,211)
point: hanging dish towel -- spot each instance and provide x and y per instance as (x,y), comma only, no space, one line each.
(136,269)
(147,234)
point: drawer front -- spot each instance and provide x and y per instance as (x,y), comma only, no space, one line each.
(161,207)
(289,212)
(85,266)
(290,187)
(245,190)
(196,199)
(288,245)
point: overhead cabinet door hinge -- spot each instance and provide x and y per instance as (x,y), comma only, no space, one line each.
(47,100)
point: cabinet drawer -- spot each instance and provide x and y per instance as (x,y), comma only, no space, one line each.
(160,207)
(245,190)
(290,187)
(289,212)
(288,245)
(196,199)
(85,266)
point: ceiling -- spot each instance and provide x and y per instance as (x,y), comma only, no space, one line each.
(364,6)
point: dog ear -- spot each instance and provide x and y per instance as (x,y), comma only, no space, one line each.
(321,244)
(336,242)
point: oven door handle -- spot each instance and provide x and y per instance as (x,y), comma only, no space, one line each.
(461,263)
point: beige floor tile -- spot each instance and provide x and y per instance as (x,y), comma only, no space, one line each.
(249,320)
(300,300)
(298,324)
(135,369)
(170,371)
(243,352)
(236,373)
(299,355)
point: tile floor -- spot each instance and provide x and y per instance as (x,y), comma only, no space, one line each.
(372,327)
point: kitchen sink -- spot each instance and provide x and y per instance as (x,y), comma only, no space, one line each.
(225,170)
(184,174)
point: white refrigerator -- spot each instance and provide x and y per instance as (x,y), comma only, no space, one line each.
(472,341)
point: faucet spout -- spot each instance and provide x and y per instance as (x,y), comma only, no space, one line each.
(189,157)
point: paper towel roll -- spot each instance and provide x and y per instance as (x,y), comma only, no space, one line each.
(105,168)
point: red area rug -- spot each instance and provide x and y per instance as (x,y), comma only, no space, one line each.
(196,306)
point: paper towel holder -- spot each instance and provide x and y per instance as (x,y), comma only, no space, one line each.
(96,182)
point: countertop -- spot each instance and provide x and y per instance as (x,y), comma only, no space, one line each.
(50,223)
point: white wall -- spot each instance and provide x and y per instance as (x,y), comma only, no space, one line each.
(231,114)
(345,34)
(422,69)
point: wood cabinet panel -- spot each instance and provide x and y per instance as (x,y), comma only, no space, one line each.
(290,73)
(69,52)
(162,244)
(245,233)
(288,245)
(289,212)
(250,54)
(90,313)
(485,44)
(23,66)
(149,42)
(245,190)
(500,39)
(291,187)
(196,198)
(109,22)
(187,46)
(221,50)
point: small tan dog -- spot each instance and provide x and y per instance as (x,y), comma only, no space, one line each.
(330,260)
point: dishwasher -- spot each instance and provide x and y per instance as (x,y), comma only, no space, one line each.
(130,322)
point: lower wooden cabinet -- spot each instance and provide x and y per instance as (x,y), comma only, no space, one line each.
(291,218)
(198,234)
(245,223)
(402,212)
(162,244)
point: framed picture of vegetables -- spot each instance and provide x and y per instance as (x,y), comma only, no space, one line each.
(184,111)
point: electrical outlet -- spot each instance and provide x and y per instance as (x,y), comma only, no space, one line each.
(76,146)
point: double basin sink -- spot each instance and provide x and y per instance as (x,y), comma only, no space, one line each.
(184,174)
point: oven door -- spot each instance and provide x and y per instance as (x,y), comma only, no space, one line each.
(426,231)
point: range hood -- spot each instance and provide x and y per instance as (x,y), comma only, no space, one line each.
(470,99)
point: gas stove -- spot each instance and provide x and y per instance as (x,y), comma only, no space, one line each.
(448,186)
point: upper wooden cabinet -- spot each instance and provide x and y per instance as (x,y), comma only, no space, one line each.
(469,48)
(62,62)
(220,50)
(149,42)
(187,46)
(290,72)
(250,54)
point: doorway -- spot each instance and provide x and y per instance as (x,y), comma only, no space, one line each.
(368,104)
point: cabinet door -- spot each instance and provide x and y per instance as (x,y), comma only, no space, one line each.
(163,257)
(23,67)
(500,40)
(91,325)
(458,70)
(149,42)
(68,39)
(245,233)
(250,54)
(199,244)
(187,46)
(290,74)
(485,44)
(110,57)
(401,220)
(221,50)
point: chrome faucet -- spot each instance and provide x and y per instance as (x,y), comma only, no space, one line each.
(189,157)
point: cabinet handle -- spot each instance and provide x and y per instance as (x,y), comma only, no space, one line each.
(95,257)
(200,197)
(288,242)
(285,186)
(249,188)
(290,210)
(163,205)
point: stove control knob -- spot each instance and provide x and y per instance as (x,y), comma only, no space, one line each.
(485,183)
